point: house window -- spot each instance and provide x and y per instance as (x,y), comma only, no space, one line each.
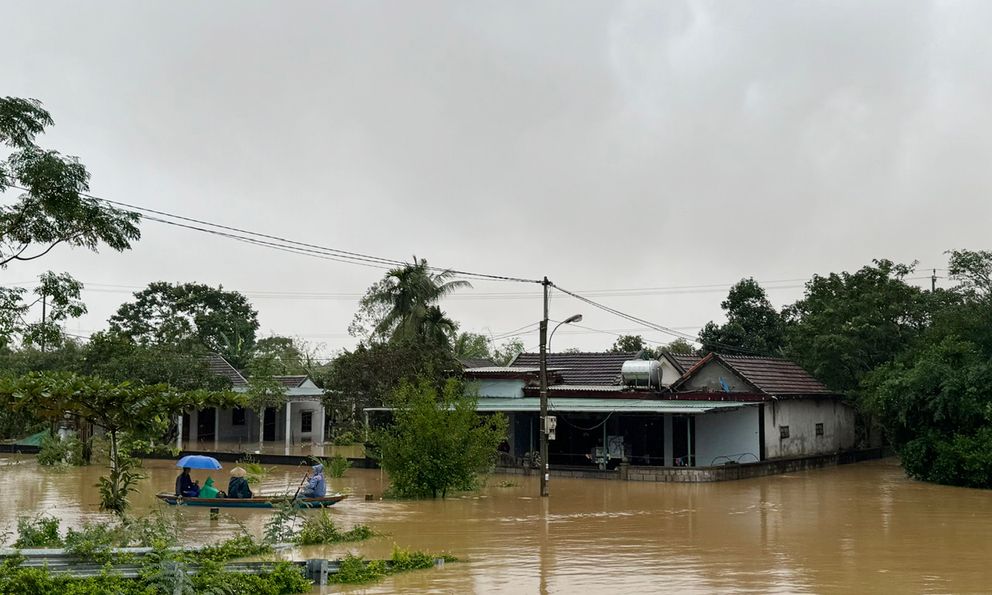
(783,431)
(306,421)
(238,417)
(819,429)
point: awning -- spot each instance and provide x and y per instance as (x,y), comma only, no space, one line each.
(533,405)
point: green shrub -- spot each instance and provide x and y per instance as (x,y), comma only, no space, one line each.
(242,546)
(93,541)
(345,438)
(320,529)
(281,526)
(337,465)
(56,452)
(39,532)
(357,570)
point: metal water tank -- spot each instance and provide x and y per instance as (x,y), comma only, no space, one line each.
(641,372)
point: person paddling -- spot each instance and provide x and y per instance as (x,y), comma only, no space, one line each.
(316,487)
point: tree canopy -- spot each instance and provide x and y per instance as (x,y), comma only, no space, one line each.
(53,208)
(403,307)
(753,325)
(181,314)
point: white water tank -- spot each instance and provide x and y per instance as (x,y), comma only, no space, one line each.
(641,372)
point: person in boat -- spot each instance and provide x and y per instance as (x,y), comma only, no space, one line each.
(238,486)
(186,485)
(316,487)
(208,490)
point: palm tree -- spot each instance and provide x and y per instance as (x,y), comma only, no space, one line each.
(411,293)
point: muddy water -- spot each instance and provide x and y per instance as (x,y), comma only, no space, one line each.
(859,528)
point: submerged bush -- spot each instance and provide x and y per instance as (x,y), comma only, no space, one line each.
(319,529)
(56,452)
(357,570)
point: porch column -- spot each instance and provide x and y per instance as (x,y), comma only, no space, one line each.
(323,424)
(179,431)
(668,439)
(216,428)
(194,426)
(289,424)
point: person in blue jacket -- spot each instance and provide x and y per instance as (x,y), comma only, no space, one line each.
(316,487)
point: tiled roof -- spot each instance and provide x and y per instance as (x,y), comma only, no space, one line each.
(291,381)
(596,368)
(220,366)
(684,361)
(476,362)
(775,376)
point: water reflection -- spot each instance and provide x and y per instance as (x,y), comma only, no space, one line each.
(863,528)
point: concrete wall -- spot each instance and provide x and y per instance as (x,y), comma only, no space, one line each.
(501,388)
(723,434)
(801,416)
(669,373)
(708,378)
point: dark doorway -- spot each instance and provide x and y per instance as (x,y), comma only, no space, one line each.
(644,439)
(684,441)
(269,425)
(205,425)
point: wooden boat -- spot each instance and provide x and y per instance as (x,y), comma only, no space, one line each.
(253,502)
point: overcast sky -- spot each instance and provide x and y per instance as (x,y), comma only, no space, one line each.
(608,145)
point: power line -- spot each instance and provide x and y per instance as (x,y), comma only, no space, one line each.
(301,247)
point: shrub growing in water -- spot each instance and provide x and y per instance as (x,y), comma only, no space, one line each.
(437,441)
(56,452)
(320,529)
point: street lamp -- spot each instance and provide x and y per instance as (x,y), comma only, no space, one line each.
(569,320)
(545,341)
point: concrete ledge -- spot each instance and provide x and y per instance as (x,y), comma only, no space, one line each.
(710,474)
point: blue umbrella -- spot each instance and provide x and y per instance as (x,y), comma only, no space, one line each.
(198,462)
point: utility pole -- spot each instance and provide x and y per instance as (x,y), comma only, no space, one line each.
(544,393)
(933,281)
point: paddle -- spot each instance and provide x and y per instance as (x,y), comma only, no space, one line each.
(305,477)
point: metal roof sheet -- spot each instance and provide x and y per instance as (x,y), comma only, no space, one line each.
(597,368)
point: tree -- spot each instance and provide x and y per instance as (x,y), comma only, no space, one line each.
(935,408)
(471,345)
(510,349)
(753,325)
(289,355)
(370,374)
(53,209)
(628,343)
(118,358)
(848,324)
(402,307)
(932,400)
(129,413)
(437,442)
(56,295)
(190,313)
(679,347)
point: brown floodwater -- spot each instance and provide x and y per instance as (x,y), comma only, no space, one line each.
(862,528)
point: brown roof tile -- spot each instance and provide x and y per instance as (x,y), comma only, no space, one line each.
(596,368)
(774,376)
(293,381)
(220,366)
(683,361)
